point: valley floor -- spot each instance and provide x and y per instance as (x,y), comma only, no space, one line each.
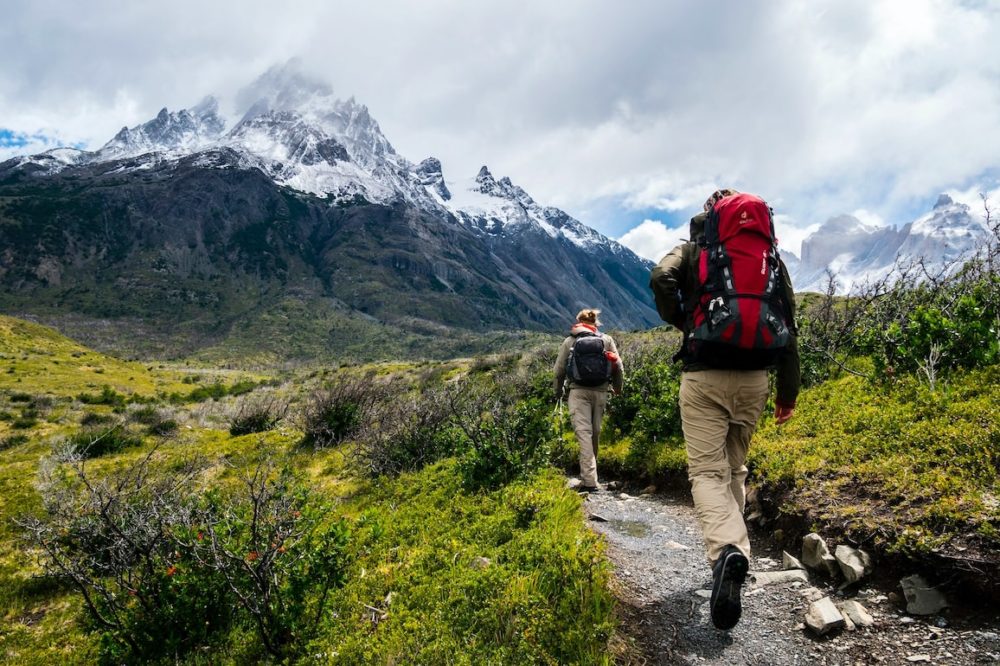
(663,584)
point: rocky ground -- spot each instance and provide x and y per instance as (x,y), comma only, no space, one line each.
(664,583)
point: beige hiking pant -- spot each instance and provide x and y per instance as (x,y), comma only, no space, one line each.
(586,409)
(719,412)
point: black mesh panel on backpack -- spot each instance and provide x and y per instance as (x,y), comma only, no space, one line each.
(588,365)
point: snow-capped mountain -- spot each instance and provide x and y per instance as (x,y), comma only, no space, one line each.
(199,216)
(857,252)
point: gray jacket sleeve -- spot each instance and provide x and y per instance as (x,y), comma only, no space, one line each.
(560,367)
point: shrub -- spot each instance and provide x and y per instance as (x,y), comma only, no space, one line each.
(94,442)
(503,438)
(107,396)
(11,441)
(20,397)
(339,411)
(162,566)
(257,415)
(162,428)
(94,418)
(405,434)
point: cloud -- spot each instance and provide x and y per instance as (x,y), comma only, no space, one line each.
(820,107)
(652,239)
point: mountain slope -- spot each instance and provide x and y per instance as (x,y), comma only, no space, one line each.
(192,233)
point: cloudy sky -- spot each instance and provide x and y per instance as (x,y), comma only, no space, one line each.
(625,114)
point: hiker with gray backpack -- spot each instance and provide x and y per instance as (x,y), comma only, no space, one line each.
(729,293)
(589,365)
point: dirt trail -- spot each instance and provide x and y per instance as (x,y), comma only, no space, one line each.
(655,545)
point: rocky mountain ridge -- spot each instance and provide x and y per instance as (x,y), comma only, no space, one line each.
(186,219)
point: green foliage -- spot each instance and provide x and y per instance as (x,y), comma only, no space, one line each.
(337,412)
(257,415)
(165,567)
(504,577)
(94,442)
(854,448)
(505,427)
(107,396)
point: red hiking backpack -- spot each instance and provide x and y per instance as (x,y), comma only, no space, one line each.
(740,319)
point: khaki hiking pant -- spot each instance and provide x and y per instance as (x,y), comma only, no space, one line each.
(586,409)
(719,412)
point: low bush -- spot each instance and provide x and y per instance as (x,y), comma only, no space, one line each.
(107,396)
(258,414)
(11,441)
(405,434)
(164,567)
(94,442)
(339,411)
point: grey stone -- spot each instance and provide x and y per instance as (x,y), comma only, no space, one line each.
(848,622)
(481,563)
(816,555)
(574,483)
(762,578)
(597,518)
(854,564)
(649,490)
(921,597)
(790,562)
(857,613)
(823,617)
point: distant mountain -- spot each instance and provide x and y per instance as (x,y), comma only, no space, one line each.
(298,220)
(857,252)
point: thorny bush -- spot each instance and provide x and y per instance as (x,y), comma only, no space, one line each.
(339,411)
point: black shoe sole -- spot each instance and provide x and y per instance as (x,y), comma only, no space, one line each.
(726,605)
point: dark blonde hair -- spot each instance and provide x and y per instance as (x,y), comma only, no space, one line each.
(589,316)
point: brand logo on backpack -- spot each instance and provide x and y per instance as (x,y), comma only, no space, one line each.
(739,318)
(588,364)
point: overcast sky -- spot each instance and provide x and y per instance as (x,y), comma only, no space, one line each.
(626,114)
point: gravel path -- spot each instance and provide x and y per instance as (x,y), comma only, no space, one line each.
(655,545)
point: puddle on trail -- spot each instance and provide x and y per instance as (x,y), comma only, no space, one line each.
(633,528)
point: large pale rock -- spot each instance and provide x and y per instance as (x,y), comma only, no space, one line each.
(762,578)
(921,597)
(823,617)
(790,562)
(857,613)
(816,555)
(854,564)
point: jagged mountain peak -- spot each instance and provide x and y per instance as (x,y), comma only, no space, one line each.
(943,200)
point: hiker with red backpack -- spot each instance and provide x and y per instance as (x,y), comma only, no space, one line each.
(729,292)
(588,363)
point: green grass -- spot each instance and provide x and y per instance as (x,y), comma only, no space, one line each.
(913,470)
(539,596)
(542,599)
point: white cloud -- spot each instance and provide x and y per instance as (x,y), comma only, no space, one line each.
(652,239)
(820,107)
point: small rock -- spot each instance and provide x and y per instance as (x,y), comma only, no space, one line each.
(756,515)
(597,518)
(921,597)
(894,599)
(812,594)
(574,483)
(824,617)
(789,562)
(906,619)
(816,555)
(480,563)
(612,485)
(779,535)
(624,496)
(649,490)
(855,564)
(766,563)
(673,545)
(762,578)
(941,623)
(848,622)
(916,658)
(706,594)
(857,613)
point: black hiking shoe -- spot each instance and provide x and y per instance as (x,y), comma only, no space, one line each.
(588,489)
(729,573)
